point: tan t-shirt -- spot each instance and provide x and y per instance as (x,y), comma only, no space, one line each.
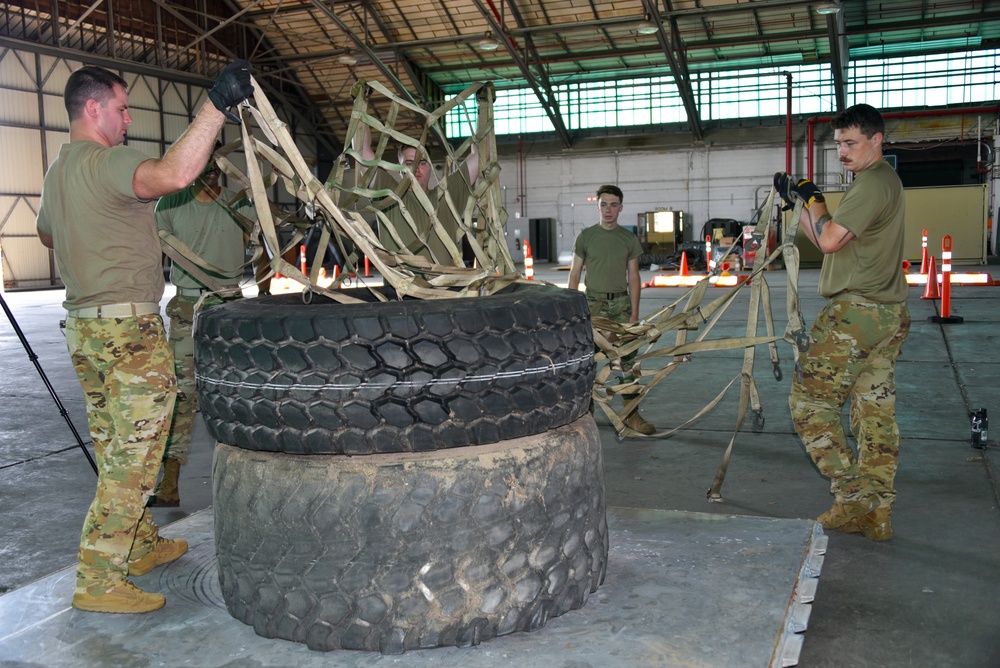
(207,228)
(871,265)
(606,254)
(105,239)
(458,189)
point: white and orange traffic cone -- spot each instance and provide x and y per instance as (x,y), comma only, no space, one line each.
(923,252)
(529,262)
(946,317)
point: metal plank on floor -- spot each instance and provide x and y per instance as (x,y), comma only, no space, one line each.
(682,589)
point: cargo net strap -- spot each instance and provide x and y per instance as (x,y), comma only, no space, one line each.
(689,314)
(481,219)
(275,159)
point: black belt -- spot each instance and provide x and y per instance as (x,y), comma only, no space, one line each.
(607,295)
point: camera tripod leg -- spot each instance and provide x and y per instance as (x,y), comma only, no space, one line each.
(34,359)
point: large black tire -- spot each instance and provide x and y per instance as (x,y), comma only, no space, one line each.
(395,552)
(278,375)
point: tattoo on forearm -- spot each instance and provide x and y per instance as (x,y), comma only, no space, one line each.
(820,224)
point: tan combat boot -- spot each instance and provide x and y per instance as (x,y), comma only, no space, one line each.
(166,494)
(639,423)
(120,597)
(843,511)
(166,550)
(876,525)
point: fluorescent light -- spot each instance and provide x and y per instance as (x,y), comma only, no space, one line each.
(828,8)
(647,27)
(347,60)
(487,43)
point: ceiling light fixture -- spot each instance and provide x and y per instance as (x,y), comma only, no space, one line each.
(487,43)
(647,27)
(347,60)
(828,8)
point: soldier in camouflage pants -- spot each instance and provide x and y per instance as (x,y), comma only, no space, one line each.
(617,310)
(858,335)
(180,311)
(96,214)
(127,374)
(852,354)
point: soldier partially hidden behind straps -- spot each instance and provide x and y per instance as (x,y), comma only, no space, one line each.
(854,343)
(203,217)
(610,254)
(97,214)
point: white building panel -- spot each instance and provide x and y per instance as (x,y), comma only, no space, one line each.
(21,169)
(150,148)
(145,124)
(53,142)
(17,70)
(55,73)
(174,100)
(56,116)
(142,92)
(173,126)
(18,214)
(18,107)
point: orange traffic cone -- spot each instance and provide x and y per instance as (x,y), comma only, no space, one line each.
(931,291)
(529,262)
(684,264)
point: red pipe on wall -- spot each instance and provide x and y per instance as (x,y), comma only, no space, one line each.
(811,132)
(788,124)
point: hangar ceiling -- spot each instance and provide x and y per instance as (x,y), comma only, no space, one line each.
(310,53)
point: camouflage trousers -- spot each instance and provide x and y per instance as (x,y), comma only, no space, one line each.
(617,310)
(852,355)
(180,310)
(127,374)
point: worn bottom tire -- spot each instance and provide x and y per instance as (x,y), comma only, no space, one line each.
(395,552)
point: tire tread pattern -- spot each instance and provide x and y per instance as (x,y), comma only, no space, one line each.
(275,374)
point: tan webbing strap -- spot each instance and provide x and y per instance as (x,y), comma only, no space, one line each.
(748,390)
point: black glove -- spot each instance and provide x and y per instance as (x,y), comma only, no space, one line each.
(232,87)
(789,190)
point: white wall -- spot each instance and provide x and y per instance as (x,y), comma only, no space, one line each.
(703,182)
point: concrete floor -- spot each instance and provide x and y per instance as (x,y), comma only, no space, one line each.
(929,597)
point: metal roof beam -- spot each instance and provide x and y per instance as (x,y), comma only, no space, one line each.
(542,92)
(334,147)
(674,51)
(415,76)
(839,55)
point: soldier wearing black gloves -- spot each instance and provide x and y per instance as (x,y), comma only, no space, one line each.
(97,214)
(858,335)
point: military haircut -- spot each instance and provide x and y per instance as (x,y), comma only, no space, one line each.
(862,116)
(610,190)
(89,83)
(400,147)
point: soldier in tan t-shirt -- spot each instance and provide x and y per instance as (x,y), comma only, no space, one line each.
(610,255)
(96,213)
(854,343)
